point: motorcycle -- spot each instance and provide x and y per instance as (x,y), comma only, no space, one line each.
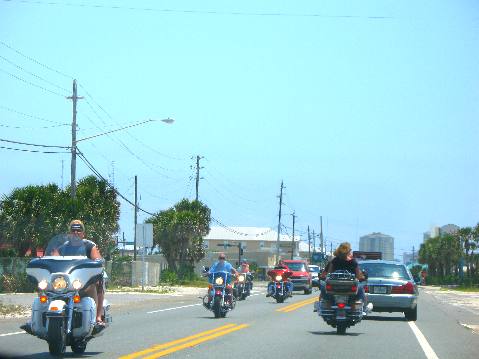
(59,314)
(340,307)
(219,300)
(242,286)
(282,289)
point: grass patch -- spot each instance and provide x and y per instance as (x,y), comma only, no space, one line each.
(154,290)
(11,309)
(198,283)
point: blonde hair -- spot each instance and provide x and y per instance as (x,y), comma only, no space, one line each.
(343,250)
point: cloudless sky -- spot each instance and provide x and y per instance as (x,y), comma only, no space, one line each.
(368,110)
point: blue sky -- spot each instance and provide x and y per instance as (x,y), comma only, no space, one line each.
(367,110)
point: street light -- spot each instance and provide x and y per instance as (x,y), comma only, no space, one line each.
(168,121)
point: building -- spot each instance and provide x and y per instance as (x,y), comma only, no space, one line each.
(448,229)
(378,242)
(259,245)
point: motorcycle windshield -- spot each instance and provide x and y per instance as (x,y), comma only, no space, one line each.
(66,245)
(214,278)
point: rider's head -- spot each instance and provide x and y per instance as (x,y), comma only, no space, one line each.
(343,250)
(221,257)
(77,228)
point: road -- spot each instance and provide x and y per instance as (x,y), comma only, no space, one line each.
(179,327)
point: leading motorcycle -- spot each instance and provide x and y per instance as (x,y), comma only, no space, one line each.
(340,307)
(220,299)
(61,314)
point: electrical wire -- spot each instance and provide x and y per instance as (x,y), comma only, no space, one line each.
(31,83)
(35,61)
(32,116)
(31,144)
(34,151)
(32,74)
(195,12)
(31,128)
(98,174)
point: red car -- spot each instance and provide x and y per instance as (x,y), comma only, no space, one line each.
(301,277)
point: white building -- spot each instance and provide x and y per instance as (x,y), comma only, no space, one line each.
(378,242)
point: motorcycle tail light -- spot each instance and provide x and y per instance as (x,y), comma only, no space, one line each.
(76,299)
(229,286)
(366,289)
(341,305)
(278,286)
(43,299)
(329,287)
(354,288)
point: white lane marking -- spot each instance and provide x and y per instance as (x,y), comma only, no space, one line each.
(14,333)
(430,353)
(174,308)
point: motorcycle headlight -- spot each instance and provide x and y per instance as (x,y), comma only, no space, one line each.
(219,281)
(59,283)
(241,278)
(76,284)
(279,278)
(42,285)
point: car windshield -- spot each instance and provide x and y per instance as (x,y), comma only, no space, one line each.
(314,269)
(385,270)
(297,267)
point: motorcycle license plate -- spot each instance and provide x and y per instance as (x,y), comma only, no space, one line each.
(380,290)
(341,314)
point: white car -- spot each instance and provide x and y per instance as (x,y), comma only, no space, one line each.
(314,270)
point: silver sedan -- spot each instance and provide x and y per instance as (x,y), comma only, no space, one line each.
(391,287)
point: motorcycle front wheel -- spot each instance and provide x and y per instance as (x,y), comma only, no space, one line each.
(56,336)
(217,307)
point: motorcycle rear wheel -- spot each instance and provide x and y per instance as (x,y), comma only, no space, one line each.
(79,348)
(341,328)
(279,299)
(56,336)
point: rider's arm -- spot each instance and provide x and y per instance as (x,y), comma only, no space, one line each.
(95,253)
(359,274)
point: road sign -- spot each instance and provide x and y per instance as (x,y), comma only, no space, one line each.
(317,257)
(144,235)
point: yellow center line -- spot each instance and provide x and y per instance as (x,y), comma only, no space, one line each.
(293,305)
(196,342)
(297,305)
(175,342)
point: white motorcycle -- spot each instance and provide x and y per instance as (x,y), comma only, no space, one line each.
(61,314)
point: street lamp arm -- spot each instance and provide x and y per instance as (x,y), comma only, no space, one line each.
(168,121)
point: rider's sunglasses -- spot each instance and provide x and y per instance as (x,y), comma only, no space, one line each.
(77,231)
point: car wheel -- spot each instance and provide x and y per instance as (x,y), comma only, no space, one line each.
(411,314)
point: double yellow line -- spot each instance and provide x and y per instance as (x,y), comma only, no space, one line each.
(160,350)
(297,305)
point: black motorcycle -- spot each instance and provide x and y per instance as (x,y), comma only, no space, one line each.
(243,285)
(219,300)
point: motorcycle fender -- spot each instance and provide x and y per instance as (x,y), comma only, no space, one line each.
(55,308)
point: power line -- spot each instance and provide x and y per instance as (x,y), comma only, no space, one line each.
(35,61)
(33,151)
(197,12)
(32,74)
(98,174)
(31,83)
(31,144)
(31,128)
(32,116)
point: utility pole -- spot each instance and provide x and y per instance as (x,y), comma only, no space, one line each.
(74,99)
(321,235)
(314,242)
(279,220)
(198,158)
(309,246)
(292,240)
(136,217)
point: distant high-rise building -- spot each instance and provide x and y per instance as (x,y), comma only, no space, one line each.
(448,229)
(378,242)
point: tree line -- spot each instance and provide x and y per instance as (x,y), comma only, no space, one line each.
(452,257)
(31,215)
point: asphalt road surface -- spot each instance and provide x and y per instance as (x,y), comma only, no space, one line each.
(179,327)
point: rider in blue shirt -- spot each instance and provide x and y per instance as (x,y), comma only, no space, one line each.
(223,266)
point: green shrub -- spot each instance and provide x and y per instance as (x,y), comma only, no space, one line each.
(169,277)
(19,283)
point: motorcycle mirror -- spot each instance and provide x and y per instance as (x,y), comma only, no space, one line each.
(206,269)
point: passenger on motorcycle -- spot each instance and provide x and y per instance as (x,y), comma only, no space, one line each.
(222,265)
(245,269)
(343,260)
(77,240)
(285,273)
